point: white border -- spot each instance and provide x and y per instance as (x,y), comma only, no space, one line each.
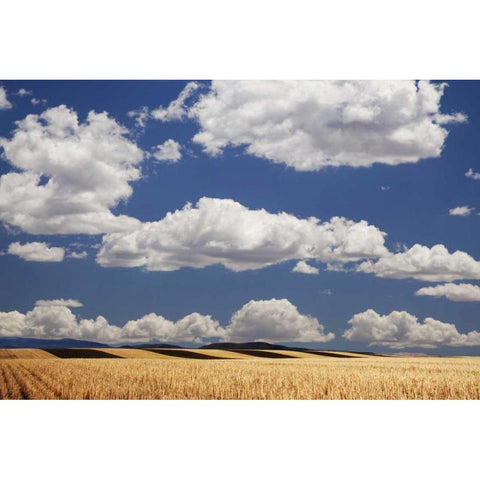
(188,39)
(239,439)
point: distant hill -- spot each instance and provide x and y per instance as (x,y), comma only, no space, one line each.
(150,345)
(250,346)
(20,342)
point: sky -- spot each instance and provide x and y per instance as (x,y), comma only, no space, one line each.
(325,214)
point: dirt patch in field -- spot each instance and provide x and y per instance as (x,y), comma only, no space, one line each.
(79,353)
(262,353)
(181,353)
(220,354)
(133,353)
(333,354)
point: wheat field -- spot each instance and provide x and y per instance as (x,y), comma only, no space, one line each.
(300,378)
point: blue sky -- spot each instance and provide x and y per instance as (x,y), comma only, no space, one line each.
(412,208)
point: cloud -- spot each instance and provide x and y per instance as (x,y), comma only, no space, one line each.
(59,303)
(68,174)
(267,320)
(24,93)
(385,188)
(192,328)
(434,264)
(4,103)
(463,292)
(471,174)
(274,321)
(461,211)
(309,125)
(222,231)
(140,115)
(38,101)
(53,319)
(303,267)
(168,151)
(78,255)
(36,252)
(177,109)
(401,329)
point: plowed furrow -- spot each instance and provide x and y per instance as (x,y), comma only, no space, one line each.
(3,384)
(14,390)
(35,385)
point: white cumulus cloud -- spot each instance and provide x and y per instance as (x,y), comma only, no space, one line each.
(36,252)
(304,267)
(53,319)
(274,321)
(222,231)
(4,103)
(168,151)
(462,211)
(60,302)
(434,264)
(258,320)
(195,327)
(309,125)
(462,292)
(68,174)
(401,329)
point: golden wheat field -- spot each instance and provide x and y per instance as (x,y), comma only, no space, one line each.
(259,378)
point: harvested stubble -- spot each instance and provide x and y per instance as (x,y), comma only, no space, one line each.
(322,378)
(25,353)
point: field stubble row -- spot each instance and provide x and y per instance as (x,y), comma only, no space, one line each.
(325,378)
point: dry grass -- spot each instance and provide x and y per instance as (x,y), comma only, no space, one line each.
(25,353)
(318,378)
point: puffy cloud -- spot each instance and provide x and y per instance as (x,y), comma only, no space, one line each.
(461,211)
(309,125)
(401,329)
(192,328)
(53,319)
(71,174)
(177,109)
(36,252)
(59,303)
(12,324)
(463,292)
(48,321)
(4,103)
(274,321)
(304,267)
(385,188)
(471,174)
(168,151)
(267,320)
(434,264)
(78,255)
(222,231)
